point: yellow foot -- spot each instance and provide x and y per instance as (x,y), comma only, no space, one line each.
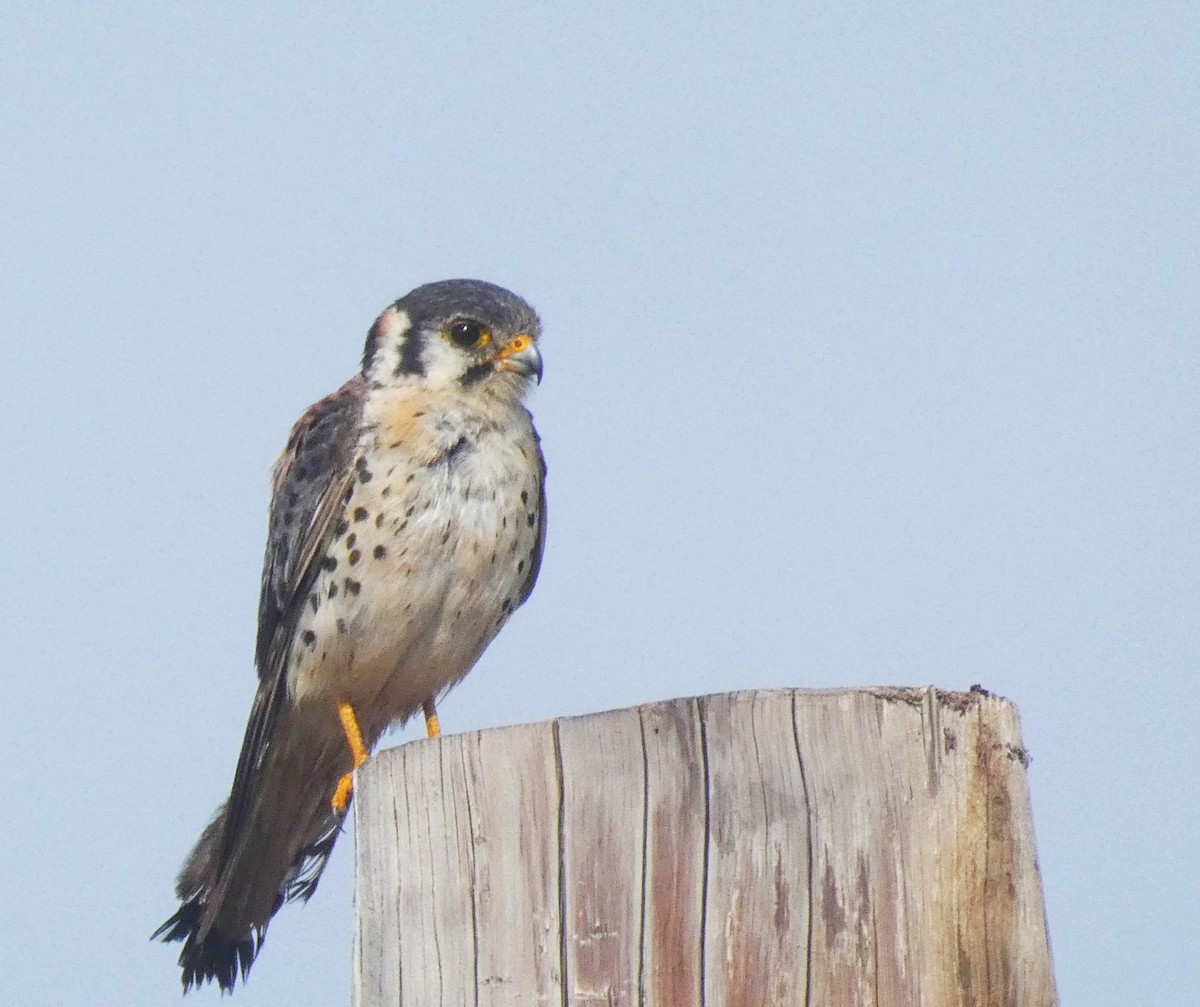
(431,719)
(341,796)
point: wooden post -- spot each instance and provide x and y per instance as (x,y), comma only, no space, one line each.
(786,847)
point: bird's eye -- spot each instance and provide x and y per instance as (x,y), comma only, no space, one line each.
(468,334)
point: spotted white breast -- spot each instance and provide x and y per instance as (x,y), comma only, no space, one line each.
(436,545)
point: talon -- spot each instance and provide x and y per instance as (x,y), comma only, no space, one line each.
(341,796)
(432,726)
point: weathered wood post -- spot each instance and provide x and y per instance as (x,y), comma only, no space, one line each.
(786,847)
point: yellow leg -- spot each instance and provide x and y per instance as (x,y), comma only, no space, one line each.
(431,719)
(341,796)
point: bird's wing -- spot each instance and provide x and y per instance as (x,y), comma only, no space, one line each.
(311,480)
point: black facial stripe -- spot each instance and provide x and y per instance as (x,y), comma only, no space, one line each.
(411,361)
(476,373)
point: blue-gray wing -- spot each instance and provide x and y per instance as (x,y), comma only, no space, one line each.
(312,479)
(310,483)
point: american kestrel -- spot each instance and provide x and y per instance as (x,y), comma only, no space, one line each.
(407,522)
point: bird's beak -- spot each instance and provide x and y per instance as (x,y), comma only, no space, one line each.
(520,355)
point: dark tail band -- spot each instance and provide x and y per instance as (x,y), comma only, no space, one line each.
(215,958)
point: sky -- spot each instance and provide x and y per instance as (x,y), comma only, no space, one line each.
(871,357)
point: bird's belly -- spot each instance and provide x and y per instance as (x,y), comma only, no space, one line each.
(417,583)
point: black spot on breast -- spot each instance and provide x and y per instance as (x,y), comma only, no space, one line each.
(354,557)
(530,519)
(521,566)
(352,586)
(341,626)
(524,496)
(341,527)
(309,637)
(379,520)
(314,601)
(350,540)
(329,563)
(360,514)
(379,552)
(448,456)
(332,590)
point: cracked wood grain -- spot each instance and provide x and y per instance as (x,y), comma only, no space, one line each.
(781,847)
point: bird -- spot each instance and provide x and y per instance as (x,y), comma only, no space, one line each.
(407,523)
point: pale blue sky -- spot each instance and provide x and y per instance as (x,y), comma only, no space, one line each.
(872,356)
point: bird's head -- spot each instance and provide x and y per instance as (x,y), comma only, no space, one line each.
(456,332)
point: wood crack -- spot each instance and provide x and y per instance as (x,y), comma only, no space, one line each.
(701,711)
(641,965)
(564,927)
(811,881)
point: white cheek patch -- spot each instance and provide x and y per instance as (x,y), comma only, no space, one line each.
(403,356)
(444,364)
